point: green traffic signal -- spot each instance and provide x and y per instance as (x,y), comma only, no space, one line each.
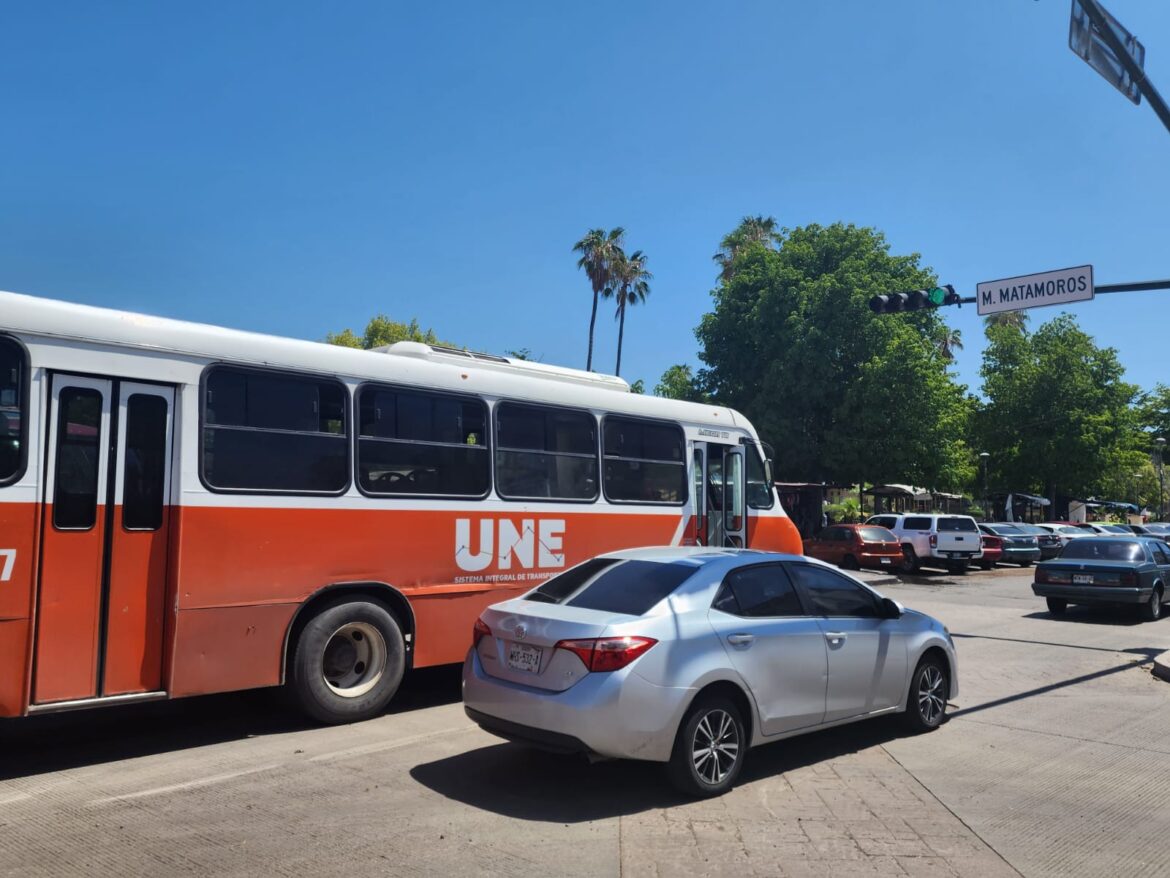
(937,296)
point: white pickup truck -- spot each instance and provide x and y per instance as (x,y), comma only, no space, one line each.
(950,541)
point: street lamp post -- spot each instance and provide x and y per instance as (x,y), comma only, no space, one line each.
(983,456)
(1159,445)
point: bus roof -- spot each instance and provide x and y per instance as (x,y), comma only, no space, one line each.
(405,362)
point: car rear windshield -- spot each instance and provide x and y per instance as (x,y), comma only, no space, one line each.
(1008,529)
(1103,550)
(876,535)
(613,585)
(956,524)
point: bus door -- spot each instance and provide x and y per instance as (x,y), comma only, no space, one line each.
(103,569)
(719,495)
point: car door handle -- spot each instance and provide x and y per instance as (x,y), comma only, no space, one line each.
(740,639)
(835,636)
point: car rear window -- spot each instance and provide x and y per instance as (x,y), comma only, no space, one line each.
(955,524)
(1103,550)
(916,524)
(1006,529)
(614,586)
(876,535)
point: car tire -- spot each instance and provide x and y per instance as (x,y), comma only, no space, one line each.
(926,702)
(1057,606)
(910,562)
(1024,564)
(348,662)
(987,565)
(957,569)
(850,563)
(714,728)
(1151,610)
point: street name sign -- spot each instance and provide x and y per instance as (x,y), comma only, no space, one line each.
(1035,290)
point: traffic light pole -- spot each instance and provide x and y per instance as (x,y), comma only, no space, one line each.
(1135,73)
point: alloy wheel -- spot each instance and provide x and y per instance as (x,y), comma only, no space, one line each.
(931,695)
(715,748)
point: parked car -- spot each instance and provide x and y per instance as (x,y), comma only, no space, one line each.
(950,541)
(1107,570)
(1018,547)
(1050,544)
(1160,528)
(691,655)
(855,545)
(992,550)
(1066,532)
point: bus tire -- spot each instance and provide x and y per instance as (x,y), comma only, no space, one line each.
(348,662)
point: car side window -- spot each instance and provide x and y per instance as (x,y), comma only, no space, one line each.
(831,594)
(919,523)
(764,590)
(1159,555)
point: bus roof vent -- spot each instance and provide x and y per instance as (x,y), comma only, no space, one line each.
(455,356)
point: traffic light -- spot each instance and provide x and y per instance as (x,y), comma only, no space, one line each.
(915,300)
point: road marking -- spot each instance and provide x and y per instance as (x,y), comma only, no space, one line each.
(187,785)
(382,746)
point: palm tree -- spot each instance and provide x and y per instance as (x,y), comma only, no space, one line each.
(751,230)
(948,341)
(598,250)
(1015,319)
(630,285)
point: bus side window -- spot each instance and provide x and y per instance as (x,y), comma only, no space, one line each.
(416,442)
(545,453)
(12,421)
(644,461)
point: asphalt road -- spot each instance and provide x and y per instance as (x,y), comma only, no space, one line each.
(1054,763)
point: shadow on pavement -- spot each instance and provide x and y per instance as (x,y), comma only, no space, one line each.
(526,784)
(55,742)
(1099,615)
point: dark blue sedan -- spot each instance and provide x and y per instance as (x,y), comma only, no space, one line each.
(1107,570)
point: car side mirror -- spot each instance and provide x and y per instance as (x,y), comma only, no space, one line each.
(891,609)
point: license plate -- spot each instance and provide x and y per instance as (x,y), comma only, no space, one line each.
(1082,579)
(956,554)
(522,657)
(885,560)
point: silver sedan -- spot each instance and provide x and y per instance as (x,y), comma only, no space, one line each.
(689,656)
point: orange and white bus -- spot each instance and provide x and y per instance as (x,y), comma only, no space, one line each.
(186,509)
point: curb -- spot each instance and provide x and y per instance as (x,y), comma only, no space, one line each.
(1162,666)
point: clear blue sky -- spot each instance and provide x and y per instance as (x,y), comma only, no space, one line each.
(295,168)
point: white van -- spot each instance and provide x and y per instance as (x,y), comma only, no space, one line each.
(950,541)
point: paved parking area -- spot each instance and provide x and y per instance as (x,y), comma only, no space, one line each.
(1054,764)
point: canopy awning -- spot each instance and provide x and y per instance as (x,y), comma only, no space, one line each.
(900,491)
(1032,499)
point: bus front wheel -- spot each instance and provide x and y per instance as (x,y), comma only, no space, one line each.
(348,663)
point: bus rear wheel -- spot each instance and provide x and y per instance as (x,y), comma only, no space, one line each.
(348,662)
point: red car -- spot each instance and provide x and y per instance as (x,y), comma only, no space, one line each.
(992,550)
(856,545)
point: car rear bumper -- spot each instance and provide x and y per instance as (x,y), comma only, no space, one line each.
(956,554)
(872,559)
(1015,556)
(1092,594)
(618,713)
(1047,552)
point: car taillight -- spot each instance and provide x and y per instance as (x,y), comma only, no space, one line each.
(1042,575)
(607,653)
(933,540)
(479,631)
(1128,577)
(1053,577)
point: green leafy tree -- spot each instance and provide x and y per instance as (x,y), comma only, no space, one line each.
(679,382)
(1058,418)
(599,251)
(381,330)
(1013,319)
(841,393)
(638,386)
(631,285)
